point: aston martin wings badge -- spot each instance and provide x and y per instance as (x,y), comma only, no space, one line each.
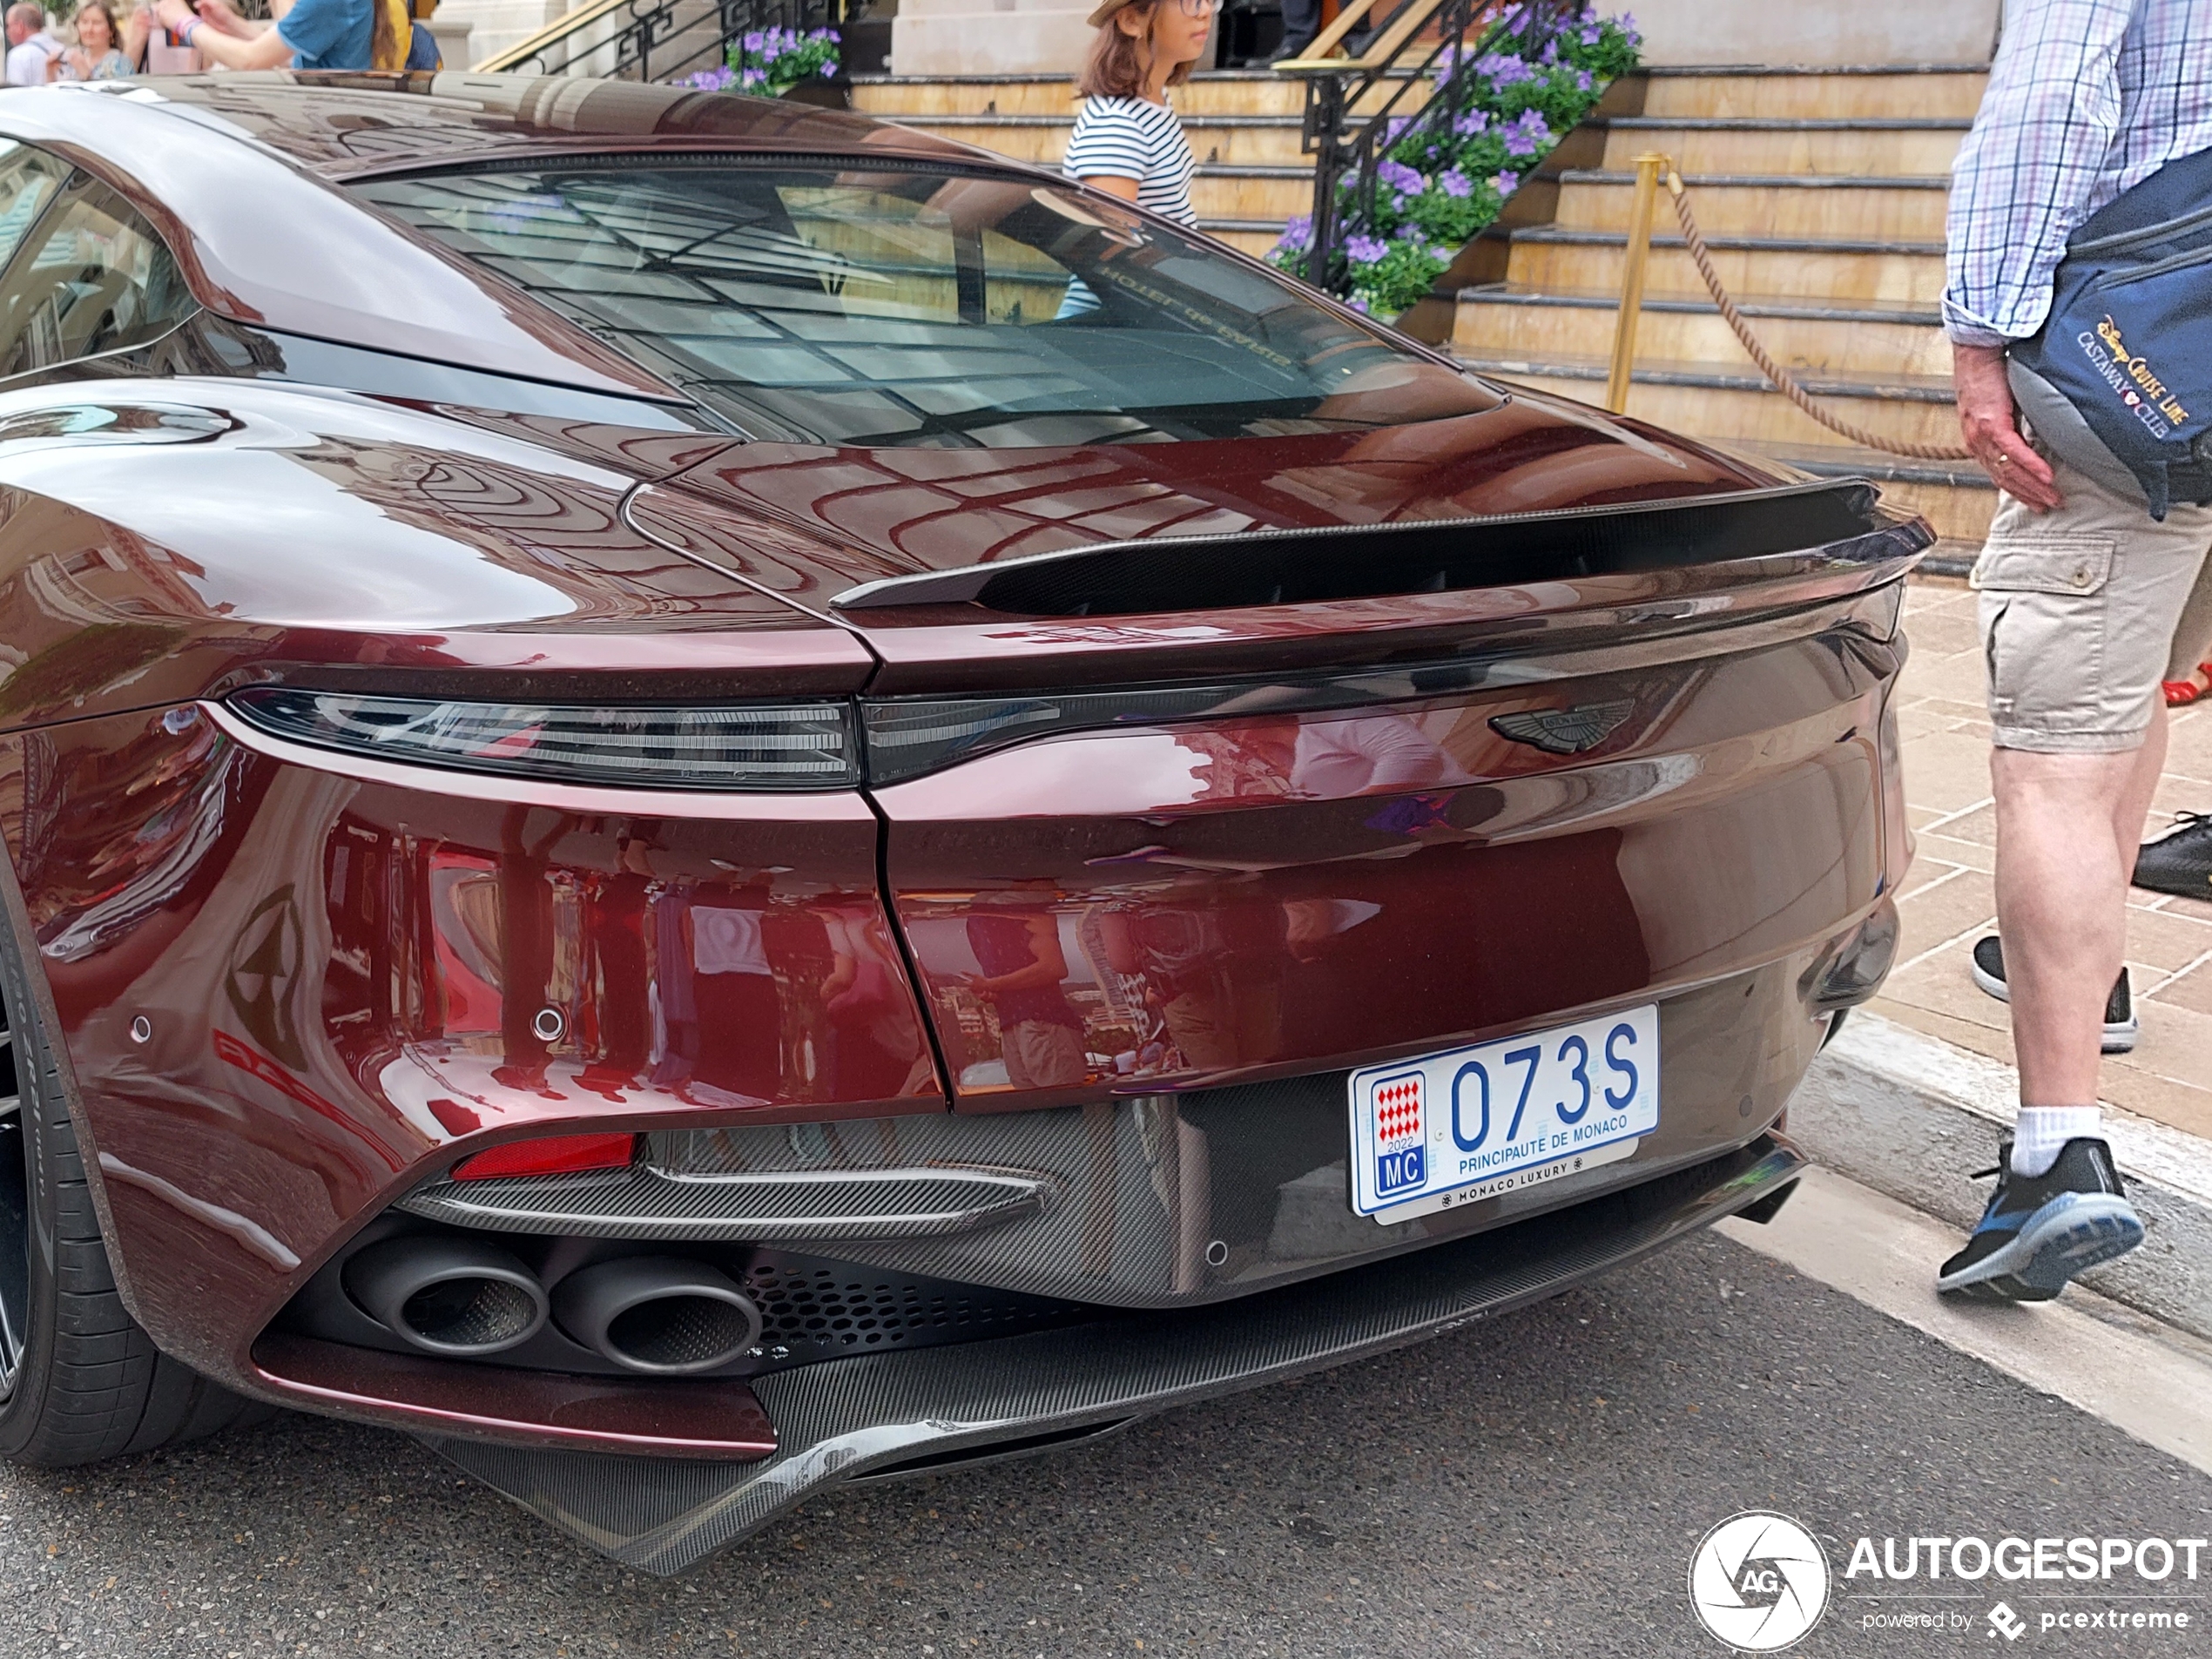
(1564,732)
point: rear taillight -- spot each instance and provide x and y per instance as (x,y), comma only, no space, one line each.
(548,1154)
(760,746)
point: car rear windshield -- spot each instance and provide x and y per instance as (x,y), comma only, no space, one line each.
(886,305)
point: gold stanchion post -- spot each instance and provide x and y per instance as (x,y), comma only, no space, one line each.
(1648,168)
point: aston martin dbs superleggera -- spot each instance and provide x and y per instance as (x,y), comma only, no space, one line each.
(702,797)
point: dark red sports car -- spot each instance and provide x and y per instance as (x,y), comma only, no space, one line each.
(702,798)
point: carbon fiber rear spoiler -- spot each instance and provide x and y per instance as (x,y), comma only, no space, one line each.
(1360,561)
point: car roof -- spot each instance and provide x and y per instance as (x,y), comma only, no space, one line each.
(237,171)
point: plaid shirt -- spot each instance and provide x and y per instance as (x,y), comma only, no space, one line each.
(2086,99)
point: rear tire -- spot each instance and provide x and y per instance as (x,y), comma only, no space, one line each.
(79,1380)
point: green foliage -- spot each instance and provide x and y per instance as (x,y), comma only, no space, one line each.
(1446,173)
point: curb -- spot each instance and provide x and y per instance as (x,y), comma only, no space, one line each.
(1912,1116)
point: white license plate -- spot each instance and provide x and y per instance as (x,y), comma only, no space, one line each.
(1450,1128)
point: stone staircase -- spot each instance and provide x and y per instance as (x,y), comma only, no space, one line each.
(1822,196)
(1242,124)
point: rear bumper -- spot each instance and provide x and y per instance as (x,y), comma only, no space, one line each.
(885,1415)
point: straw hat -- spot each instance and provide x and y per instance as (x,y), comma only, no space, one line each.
(1107,8)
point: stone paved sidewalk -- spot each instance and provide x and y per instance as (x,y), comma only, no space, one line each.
(1947,901)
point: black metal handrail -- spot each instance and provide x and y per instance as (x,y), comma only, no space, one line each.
(1431,81)
(645,40)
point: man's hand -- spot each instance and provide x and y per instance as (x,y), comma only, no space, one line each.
(1990,426)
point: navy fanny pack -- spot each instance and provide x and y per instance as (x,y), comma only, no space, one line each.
(2119,383)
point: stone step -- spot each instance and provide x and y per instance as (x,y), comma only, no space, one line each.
(1809,205)
(495,25)
(1955,496)
(1549,259)
(1875,92)
(918,95)
(1240,139)
(1817,336)
(1879,148)
(909,98)
(1736,406)
(1272,194)
(1254,236)
(1219,92)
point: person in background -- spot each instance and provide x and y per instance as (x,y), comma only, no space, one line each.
(308,34)
(1127,141)
(98,54)
(32,46)
(1302,22)
(1041,1035)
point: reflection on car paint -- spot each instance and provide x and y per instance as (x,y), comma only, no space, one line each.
(369,964)
(1239,899)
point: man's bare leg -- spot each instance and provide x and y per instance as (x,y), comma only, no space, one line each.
(2068,828)
(2062,901)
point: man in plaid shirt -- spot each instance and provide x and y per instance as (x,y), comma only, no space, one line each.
(2083,602)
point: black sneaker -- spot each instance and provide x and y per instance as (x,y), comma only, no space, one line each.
(2181,862)
(2039,1230)
(2120,1024)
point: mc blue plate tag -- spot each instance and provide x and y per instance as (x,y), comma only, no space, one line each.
(1450,1128)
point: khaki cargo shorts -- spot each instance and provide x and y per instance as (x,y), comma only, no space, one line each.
(2084,610)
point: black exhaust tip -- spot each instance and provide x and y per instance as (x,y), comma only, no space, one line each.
(657,1314)
(453,1297)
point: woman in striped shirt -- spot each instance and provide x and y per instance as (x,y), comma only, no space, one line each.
(1127,140)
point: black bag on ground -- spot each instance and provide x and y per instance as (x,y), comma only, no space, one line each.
(2119,383)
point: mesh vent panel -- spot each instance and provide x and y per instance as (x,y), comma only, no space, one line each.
(815,1309)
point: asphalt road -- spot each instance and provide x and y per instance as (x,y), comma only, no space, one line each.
(1531,1487)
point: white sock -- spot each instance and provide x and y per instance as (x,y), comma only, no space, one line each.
(2043,1133)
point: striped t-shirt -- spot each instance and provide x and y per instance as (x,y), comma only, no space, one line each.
(1127,138)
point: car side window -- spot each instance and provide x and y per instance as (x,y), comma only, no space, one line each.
(91,278)
(29,179)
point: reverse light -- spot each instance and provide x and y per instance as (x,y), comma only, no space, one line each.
(755,745)
(548,1154)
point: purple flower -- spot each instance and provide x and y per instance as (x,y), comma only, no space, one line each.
(1297,237)
(1363,250)
(710,80)
(1505,183)
(1592,34)
(1358,303)
(751,42)
(1473,124)
(1502,70)
(1527,133)
(1584,80)
(1400,177)
(1456,185)
(1396,124)
(1629,28)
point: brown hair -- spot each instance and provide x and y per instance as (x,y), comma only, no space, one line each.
(1116,66)
(385,48)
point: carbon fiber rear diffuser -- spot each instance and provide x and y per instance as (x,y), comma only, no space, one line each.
(873,1413)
